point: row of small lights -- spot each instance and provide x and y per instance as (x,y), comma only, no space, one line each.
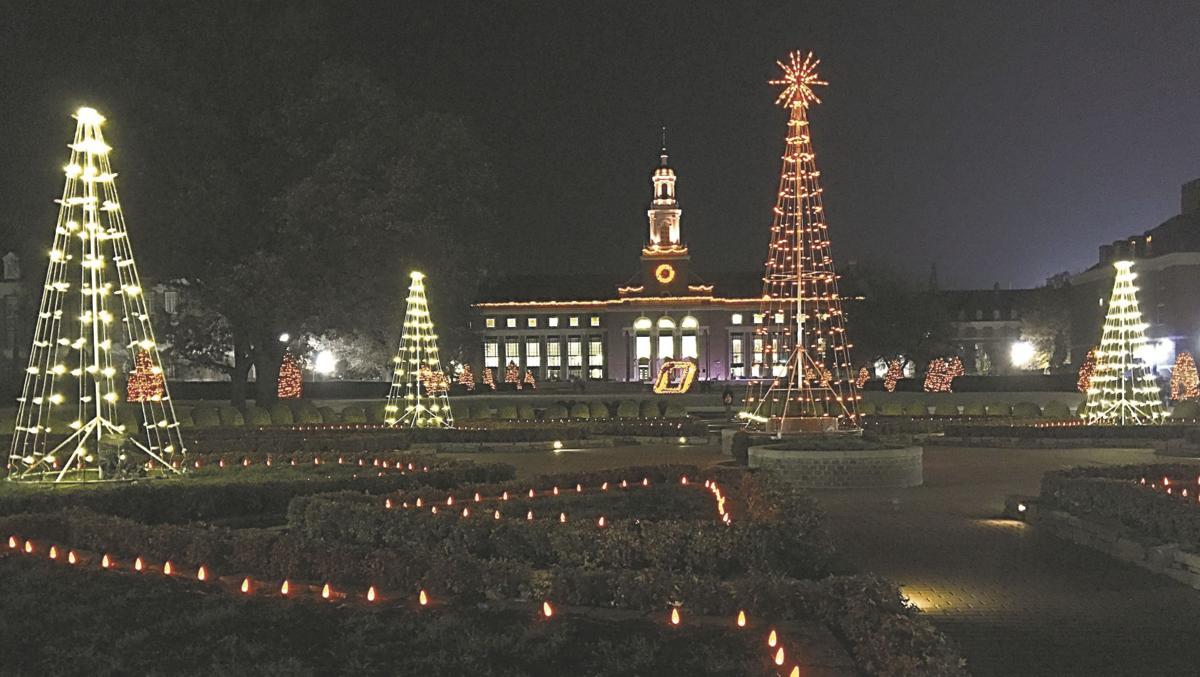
(1169,486)
(449,501)
(289,589)
(246,462)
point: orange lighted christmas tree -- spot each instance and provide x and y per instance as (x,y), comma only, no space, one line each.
(291,378)
(1086,370)
(807,381)
(489,378)
(939,377)
(1185,383)
(466,378)
(895,372)
(146,382)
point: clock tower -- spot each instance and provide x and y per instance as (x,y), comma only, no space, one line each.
(665,259)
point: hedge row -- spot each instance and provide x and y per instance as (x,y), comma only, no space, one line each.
(1116,493)
(1054,409)
(339,439)
(885,635)
(1138,432)
(178,631)
(235,493)
(578,410)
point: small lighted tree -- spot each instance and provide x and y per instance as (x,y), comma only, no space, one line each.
(939,377)
(146,383)
(512,375)
(489,378)
(466,378)
(895,372)
(418,396)
(1086,370)
(530,380)
(291,378)
(864,375)
(1123,389)
(1185,383)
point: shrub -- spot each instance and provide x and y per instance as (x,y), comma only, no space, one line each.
(525,412)
(1026,410)
(598,409)
(892,408)
(674,410)
(916,408)
(974,409)
(281,414)
(581,411)
(555,412)
(375,412)
(506,412)
(230,417)
(627,409)
(306,414)
(1186,409)
(128,416)
(649,409)
(206,417)
(1056,409)
(328,415)
(999,409)
(481,411)
(946,409)
(353,413)
(256,416)
(740,448)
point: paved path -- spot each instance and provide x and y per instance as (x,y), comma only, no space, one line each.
(1018,602)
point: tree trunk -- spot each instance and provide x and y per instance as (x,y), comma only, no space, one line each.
(267,355)
(243,359)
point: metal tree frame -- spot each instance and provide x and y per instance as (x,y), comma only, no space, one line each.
(89,235)
(807,380)
(1123,390)
(412,402)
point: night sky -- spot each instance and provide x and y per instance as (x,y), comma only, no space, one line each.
(1003,141)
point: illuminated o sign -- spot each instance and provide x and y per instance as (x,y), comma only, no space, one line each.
(664,273)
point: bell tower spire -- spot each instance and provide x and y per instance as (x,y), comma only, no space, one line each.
(664,211)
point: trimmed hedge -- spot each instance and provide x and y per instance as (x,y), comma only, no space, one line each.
(974,409)
(231,417)
(581,411)
(328,415)
(526,412)
(1117,493)
(1186,409)
(239,492)
(206,417)
(556,412)
(999,409)
(673,410)
(946,409)
(506,412)
(281,414)
(649,409)
(354,414)
(1056,410)
(627,409)
(480,411)
(598,409)
(1026,410)
(1067,432)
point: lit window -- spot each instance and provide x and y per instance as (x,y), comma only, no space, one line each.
(510,322)
(552,321)
(574,352)
(573,321)
(512,352)
(531,322)
(553,352)
(170,301)
(778,318)
(490,323)
(491,353)
(666,346)
(595,351)
(689,347)
(643,323)
(665,322)
(643,347)
(595,320)
(737,358)
(758,318)
(533,353)
(735,318)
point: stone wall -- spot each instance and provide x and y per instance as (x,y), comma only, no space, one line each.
(857,469)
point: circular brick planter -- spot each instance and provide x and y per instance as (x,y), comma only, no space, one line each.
(851,469)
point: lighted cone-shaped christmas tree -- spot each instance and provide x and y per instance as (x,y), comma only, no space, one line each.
(806,378)
(68,423)
(411,402)
(1123,390)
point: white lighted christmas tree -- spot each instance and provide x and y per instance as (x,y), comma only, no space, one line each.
(1123,389)
(806,381)
(411,402)
(68,426)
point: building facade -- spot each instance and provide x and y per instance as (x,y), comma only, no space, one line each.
(625,332)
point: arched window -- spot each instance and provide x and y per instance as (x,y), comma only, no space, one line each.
(689,346)
(666,338)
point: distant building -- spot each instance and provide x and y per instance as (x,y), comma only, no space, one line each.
(1167,262)
(984,324)
(590,328)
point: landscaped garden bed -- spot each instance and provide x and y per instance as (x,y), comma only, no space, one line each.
(486,553)
(1061,434)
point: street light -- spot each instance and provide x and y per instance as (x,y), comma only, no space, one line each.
(324,363)
(1021,353)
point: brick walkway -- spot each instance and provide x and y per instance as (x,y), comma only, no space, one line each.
(1018,602)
